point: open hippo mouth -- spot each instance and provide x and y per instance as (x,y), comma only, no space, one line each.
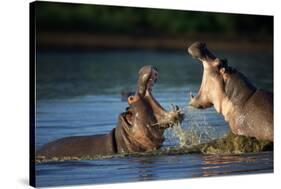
(212,81)
(147,79)
(148,76)
(162,119)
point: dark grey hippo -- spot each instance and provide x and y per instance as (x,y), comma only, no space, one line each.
(139,129)
(247,109)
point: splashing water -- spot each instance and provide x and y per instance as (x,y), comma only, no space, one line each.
(193,131)
(175,136)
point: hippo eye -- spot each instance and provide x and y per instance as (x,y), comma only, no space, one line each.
(128,118)
(156,74)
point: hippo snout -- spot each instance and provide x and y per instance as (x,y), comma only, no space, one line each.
(200,51)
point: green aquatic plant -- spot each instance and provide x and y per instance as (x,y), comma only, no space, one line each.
(235,144)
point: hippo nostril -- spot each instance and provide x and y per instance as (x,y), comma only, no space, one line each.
(130,99)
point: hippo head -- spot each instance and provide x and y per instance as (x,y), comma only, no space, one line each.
(145,120)
(212,90)
(248,110)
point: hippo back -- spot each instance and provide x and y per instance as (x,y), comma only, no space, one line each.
(79,146)
(259,113)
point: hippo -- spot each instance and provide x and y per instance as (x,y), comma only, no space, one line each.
(139,129)
(247,109)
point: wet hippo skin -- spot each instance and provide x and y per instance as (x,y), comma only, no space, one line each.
(140,128)
(247,109)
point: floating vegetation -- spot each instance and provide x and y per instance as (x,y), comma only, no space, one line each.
(235,144)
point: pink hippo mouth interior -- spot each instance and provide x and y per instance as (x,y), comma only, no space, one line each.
(147,77)
(213,78)
(127,116)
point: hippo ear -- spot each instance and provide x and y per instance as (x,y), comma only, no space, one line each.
(216,63)
(224,63)
(145,69)
(220,63)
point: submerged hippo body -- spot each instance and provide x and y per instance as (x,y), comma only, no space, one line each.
(247,109)
(139,129)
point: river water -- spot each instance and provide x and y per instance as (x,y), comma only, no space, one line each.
(80,94)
